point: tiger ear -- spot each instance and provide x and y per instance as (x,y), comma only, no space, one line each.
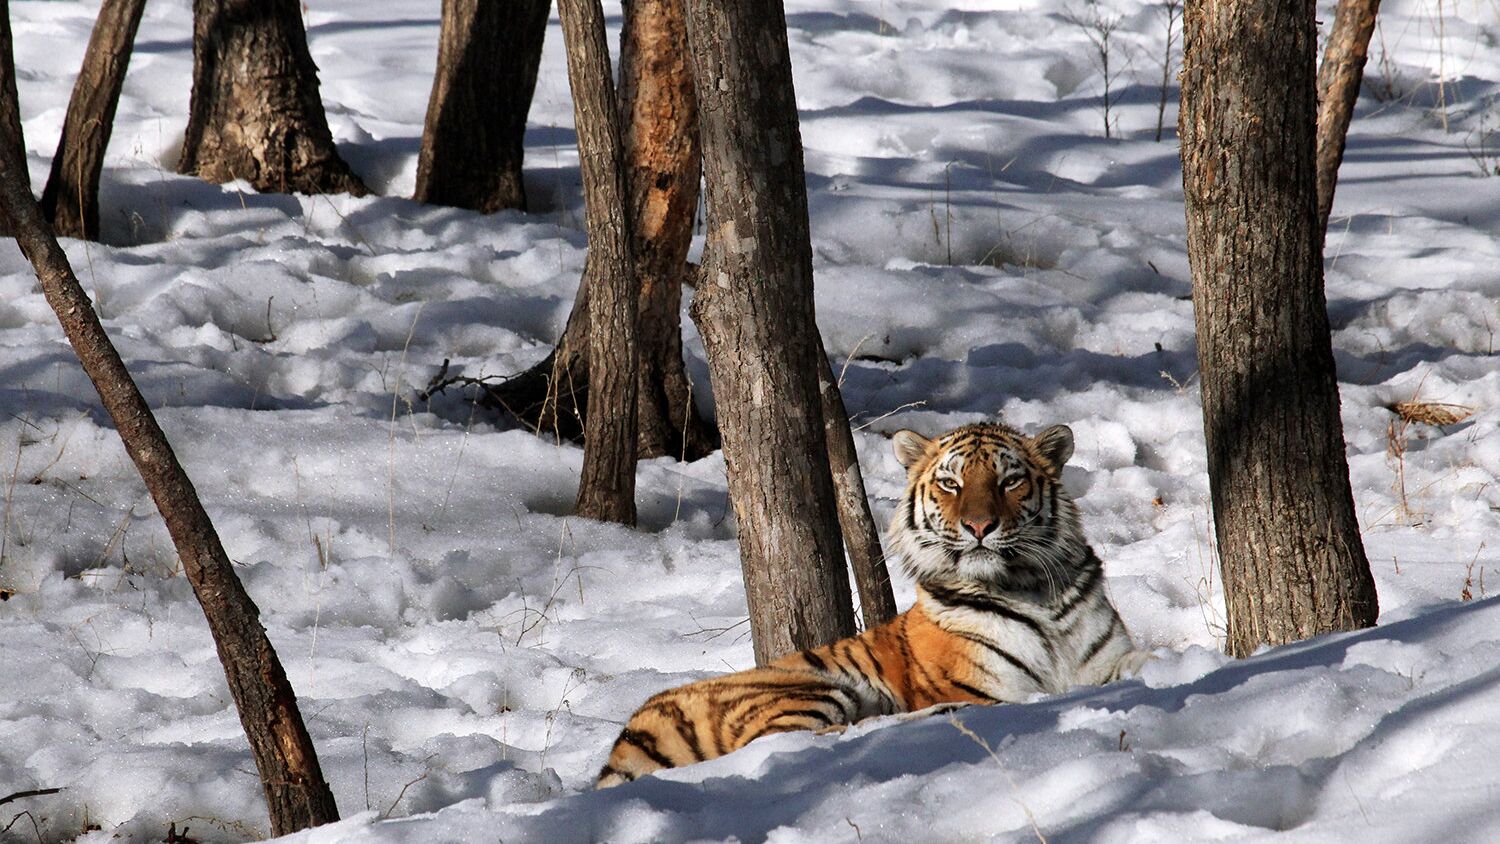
(910,446)
(1055,445)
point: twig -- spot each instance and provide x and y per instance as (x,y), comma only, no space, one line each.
(35,792)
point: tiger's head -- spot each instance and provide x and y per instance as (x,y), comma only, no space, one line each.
(985,505)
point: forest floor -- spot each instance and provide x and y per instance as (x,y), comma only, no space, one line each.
(465,652)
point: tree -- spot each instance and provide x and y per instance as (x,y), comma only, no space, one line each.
(754,309)
(488,53)
(1289,546)
(255,112)
(71,198)
(296,794)
(660,140)
(606,487)
(1339,77)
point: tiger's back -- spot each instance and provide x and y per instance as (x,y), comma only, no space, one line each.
(1010,602)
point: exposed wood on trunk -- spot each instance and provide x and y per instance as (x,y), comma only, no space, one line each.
(606,487)
(659,118)
(1289,546)
(71,198)
(297,796)
(754,309)
(1339,78)
(877,603)
(472,142)
(659,131)
(255,112)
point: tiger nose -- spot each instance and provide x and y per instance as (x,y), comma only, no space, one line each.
(978,526)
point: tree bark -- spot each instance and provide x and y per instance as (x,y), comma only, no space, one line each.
(10,111)
(606,487)
(297,796)
(660,136)
(877,603)
(754,309)
(1289,546)
(659,114)
(1339,78)
(472,143)
(255,112)
(71,198)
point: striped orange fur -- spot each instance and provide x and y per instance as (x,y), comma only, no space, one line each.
(1010,602)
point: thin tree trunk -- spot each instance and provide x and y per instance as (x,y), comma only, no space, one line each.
(1339,78)
(659,115)
(877,603)
(754,309)
(1289,546)
(255,112)
(297,796)
(472,143)
(71,198)
(10,112)
(606,488)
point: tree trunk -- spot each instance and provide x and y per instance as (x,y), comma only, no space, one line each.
(606,488)
(255,112)
(10,111)
(754,308)
(660,135)
(1338,89)
(659,113)
(71,198)
(877,603)
(1290,551)
(296,794)
(472,143)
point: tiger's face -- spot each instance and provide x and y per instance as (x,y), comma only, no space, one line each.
(985,503)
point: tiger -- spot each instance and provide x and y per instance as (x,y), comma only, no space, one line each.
(1010,602)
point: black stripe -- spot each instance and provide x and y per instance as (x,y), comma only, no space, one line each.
(647,745)
(814,660)
(979,693)
(981,603)
(875,661)
(1082,589)
(1093,649)
(818,715)
(1009,657)
(608,770)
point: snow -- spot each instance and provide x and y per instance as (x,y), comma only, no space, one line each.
(465,651)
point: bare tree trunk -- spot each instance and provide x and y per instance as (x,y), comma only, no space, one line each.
(10,112)
(606,489)
(754,308)
(71,198)
(1289,546)
(660,135)
(659,113)
(1338,89)
(255,112)
(472,143)
(296,794)
(877,603)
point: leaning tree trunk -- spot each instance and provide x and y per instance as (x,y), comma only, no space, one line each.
(297,796)
(606,487)
(1339,77)
(877,603)
(71,198)
(255,112)
(660,137)
(472,147)
(1289,546)
(754,308)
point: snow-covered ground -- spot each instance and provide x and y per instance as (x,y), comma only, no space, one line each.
(465,651)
